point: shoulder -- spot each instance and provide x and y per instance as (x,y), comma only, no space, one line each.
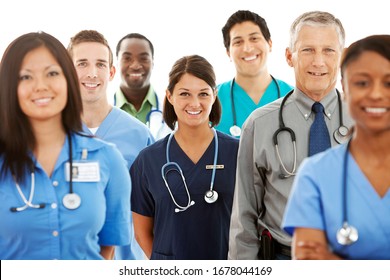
(270,110)
(327,160)
(129,122)
(126,117)
(155,149)
(227,139)
(224,88)
(228,145)
(91,143)
(283,85)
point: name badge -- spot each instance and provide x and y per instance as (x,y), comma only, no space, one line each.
(83,172)
(218,166)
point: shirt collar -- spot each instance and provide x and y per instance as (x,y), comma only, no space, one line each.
(150,97)
(304,103)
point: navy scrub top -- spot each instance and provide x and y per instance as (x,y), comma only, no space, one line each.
(201,231)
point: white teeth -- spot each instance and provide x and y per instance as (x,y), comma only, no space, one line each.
(193,112)
(375,110)
(42,101)
(317,74)
(250,58)
(90,85)
(135,75)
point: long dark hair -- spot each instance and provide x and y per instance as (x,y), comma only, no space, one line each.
(16,135)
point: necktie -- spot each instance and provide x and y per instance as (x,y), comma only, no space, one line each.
(319,139)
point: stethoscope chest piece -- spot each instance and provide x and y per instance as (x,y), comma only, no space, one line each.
(71,201)
(341,134)
(347,235)
(235,130)
(211,196)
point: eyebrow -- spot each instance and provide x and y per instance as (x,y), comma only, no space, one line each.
(141,54)
(85,59)
(46,68)
(202,89)
(250,34)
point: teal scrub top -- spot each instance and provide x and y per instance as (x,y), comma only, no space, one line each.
(243,104)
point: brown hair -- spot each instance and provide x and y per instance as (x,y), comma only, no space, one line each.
(86,36)
(199,67)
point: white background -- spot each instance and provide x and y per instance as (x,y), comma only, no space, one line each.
(181,27)
(109,270)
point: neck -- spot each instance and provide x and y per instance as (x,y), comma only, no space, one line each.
(95,113)
(194,134)
(254,86)
(47,134)
(194,141)
(371,145)
(135,96)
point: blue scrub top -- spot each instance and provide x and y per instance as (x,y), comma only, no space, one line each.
(317,202)
(243,104)
(56,232)
(130,136)
(202,231)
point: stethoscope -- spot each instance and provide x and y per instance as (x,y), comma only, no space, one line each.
(235,130)
(154,110)
(340,135)
(347,234)
(70,201)
(210,196)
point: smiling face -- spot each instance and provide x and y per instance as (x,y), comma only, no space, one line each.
(315,59)
(91,60)
(192,99)
(366,82)
(248,49)
(42,89)
(136,63)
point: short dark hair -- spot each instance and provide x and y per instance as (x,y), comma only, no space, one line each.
(379,44)
(86,36)
(199,67)
(16,134)
(240,17)
(137,36)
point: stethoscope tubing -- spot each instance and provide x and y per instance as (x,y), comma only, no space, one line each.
(153,110)
(28,203)
(232,97)
(342,130)
(178,169)
(347,234)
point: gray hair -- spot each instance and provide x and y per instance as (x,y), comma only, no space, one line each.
(316,18)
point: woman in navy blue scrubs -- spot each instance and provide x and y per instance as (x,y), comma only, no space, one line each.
(183,184)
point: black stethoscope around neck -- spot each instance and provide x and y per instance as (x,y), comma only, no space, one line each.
(340,135)
(235,130)
(70,201)
(347,234)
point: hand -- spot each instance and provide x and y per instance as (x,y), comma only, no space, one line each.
(312,250)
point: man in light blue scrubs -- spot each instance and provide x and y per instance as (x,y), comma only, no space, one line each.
(93,60)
